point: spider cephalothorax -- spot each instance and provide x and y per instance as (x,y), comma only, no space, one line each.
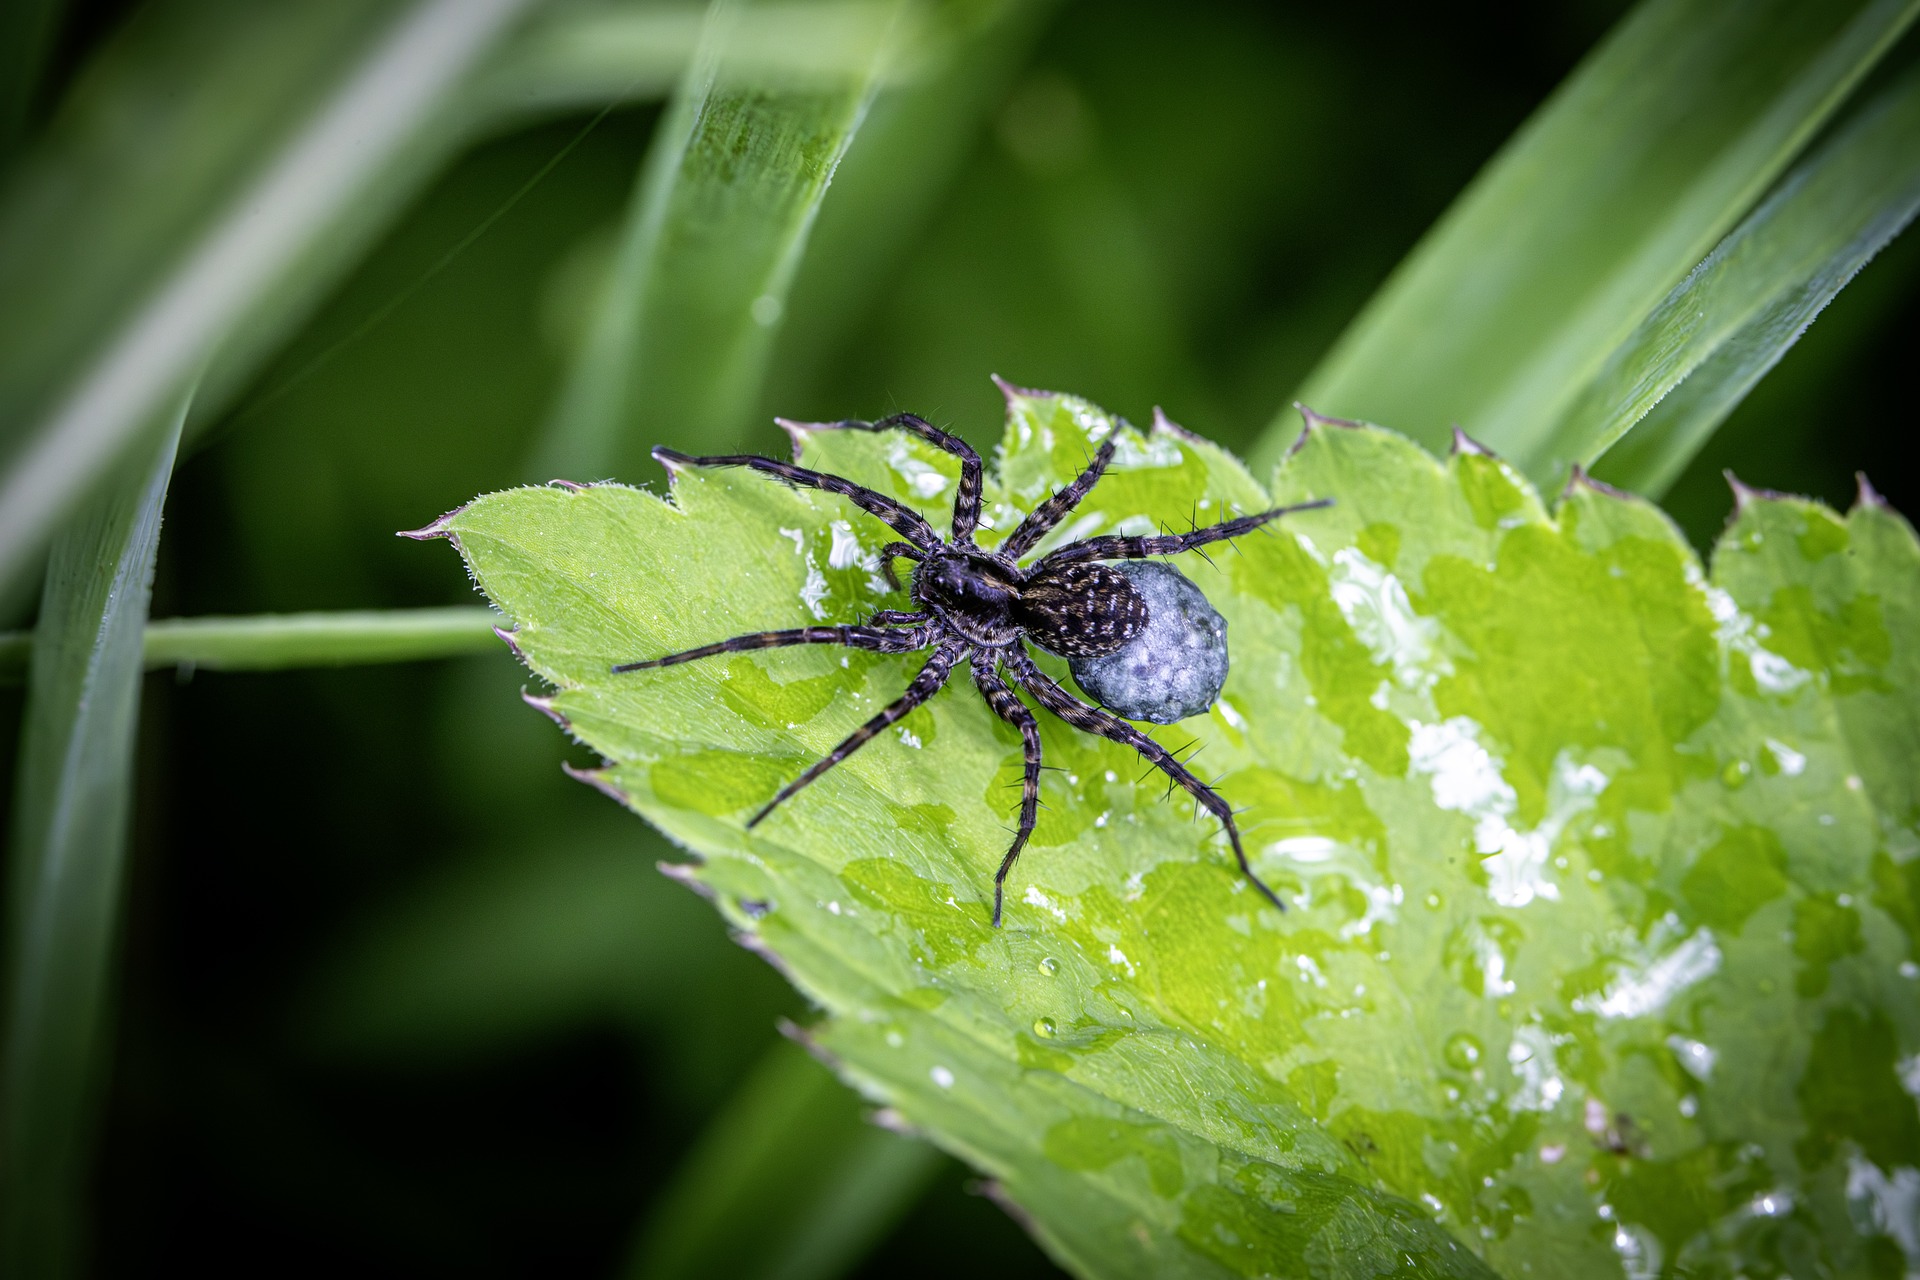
(982,607)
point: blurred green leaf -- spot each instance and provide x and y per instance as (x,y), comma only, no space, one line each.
(789,1182)
(213,166)
(726,198)
(1693,360)
(1646,157)
(1601,869)
(27,31)
(917,136)
(278,641)
(68,850)
(582,56)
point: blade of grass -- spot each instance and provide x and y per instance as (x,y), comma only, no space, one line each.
(122,330)
(787,1183)
(1696,357)
(580,57)
(1650,153)
(68,851)
(920,131)
(725,201)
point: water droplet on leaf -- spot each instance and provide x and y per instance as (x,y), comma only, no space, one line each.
(1461,1051)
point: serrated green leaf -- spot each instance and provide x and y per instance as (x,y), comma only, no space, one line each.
(1601,868)
(1648,155)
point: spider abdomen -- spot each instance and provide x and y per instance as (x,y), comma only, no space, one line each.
(1080,610)
(1177,664)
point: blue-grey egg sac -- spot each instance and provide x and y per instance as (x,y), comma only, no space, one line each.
(1173,669)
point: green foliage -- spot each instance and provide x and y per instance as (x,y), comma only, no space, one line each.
(732,185)
(788,1183)
(67,855)
(1718,333)
(218,164)
(1600,866)
(1649,154)
(195,195)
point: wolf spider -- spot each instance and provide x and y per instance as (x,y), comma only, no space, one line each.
(981,606)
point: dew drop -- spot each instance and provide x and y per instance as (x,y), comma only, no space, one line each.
(1433,902)
(1049,966)
(1044,1028)
(1734,776)
(1461,1051)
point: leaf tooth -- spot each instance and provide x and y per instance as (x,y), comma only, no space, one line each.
(598,779)
(1012,393)
(441,528)
(1466,444)
(1745,495)
(673,460)
(1582,479)
(893,1122)
(802,1036)
(688,874)
(1312,421)
(798,432)
(1865,495)
(510,635)
(1161,422)
(544,705)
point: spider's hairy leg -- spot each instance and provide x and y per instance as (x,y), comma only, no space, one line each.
(924,686)
(905,521)
(868,638)
(1055,508)
(1115,547)
(895,618)
(897,551)
(966,502)
(1093,720)
(1014,712)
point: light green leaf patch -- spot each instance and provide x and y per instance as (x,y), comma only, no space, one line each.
(1604,873)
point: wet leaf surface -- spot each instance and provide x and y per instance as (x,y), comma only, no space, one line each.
(1603,870)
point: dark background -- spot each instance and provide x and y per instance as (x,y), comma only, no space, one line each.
(397,996)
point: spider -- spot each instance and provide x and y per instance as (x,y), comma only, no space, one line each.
(982,607)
